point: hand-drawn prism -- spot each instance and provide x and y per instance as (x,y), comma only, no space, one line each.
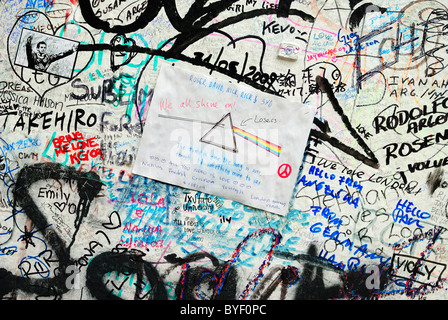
(222,134)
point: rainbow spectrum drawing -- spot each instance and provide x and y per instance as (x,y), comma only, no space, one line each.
(225,124)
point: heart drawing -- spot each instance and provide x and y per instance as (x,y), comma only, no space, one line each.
(119,59)
(60,205)
(44,57)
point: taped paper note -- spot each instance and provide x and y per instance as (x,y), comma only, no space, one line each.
(223,139)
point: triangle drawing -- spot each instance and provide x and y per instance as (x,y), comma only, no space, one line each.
(222,134)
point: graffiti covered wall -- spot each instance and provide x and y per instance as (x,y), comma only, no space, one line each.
(89,88)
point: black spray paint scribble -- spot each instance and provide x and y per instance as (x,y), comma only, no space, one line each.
(88,187)
(192,28)
(220,280)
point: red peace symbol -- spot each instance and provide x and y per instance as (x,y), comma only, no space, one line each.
(284,170)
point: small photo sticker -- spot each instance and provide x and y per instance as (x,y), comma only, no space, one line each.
(46,53)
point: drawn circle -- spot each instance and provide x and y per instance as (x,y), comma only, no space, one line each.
(284,171)
(289,51)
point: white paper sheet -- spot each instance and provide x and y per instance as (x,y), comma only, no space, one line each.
(223,139)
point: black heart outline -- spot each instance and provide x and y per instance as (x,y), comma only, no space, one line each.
(125,40)
(60,205)
(53,33)
(110,224)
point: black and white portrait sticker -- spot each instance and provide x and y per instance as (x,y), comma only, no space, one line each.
(46,53)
